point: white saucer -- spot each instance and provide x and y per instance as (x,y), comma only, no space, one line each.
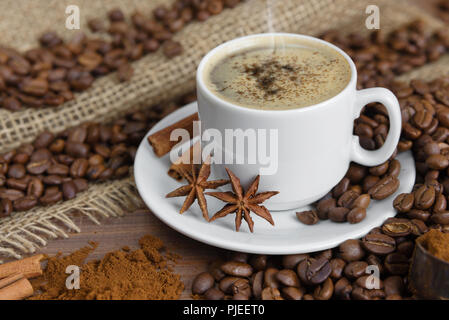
(288,236)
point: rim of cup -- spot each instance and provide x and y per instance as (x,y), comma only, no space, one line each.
(202,87)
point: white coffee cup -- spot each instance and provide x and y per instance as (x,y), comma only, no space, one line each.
(315,143)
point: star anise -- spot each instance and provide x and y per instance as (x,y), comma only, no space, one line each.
(242,204)
(195,189)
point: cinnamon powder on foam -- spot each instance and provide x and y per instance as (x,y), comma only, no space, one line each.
(121,275)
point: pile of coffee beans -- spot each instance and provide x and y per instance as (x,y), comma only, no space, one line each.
(380,58)
(56,167)
(349,199)
(340,273)
(50,74)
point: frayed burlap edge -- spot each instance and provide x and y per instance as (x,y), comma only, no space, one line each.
(24,232)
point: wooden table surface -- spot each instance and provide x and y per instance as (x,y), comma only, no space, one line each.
(115,233)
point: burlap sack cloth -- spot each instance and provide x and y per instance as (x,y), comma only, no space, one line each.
(155,79)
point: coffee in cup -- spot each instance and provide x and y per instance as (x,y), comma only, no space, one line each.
(285,76)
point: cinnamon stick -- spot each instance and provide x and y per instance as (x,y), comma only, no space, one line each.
(28,267)
(15,287)
(183,162)
(160,140)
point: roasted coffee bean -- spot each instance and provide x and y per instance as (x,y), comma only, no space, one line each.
(52,180)
(309,217)
(287,278)
(424,197)
(214,294)
(359,293)
(69,190)
(437,162)
(340,188)
(121,171)
(347,199)
(38,167)
(40,155)
(81,184)
(393,285)
(18,184)
(225,284)
(418,214)
(239,256)
(271,294)
(21,158)
(356,215)
(94,171)
(6,207)
(396,263)
(202,282)
(404,202)
(343,289)
(292,260)
(43,140)
(356,173)
(258,262)
(257,284)
(379,244)
(216,272)
(440,203)
(50,197)
(325,254)
(396,227)
(35,188)
(57,146)
(394,169)
(384,188)
(369,182)
(79,168)
(241,287)
(11,194)
(440,218)
(355,269)
(379,170)
(314,271)
(25,203)
(362,201)
(351,250)
(418,227)
(238,269)
(77,149)
(324,291)
(58,169)
(172,48)
(16,171)
(337,266)
(338,214)
(406,248)
(324,206)
(270,279)
(292,293)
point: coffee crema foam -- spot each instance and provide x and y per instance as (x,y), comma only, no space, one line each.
(280,78)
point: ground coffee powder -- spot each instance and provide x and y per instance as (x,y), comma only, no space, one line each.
(124,274)
(436,243)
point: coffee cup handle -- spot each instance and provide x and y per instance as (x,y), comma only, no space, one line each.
(389,100)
